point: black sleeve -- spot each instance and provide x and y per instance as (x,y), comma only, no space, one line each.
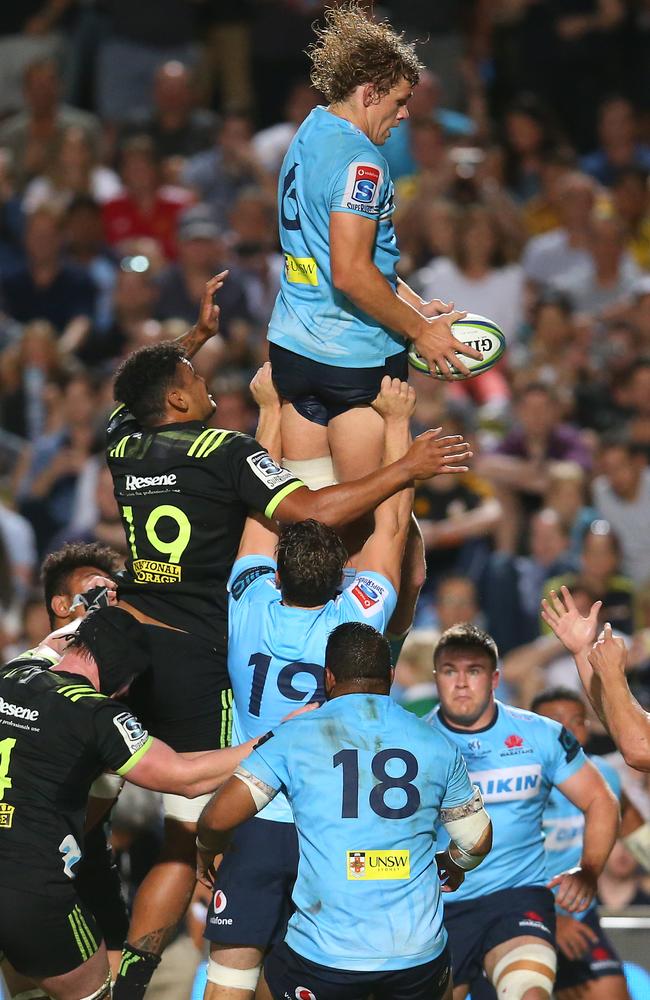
(120,423)
(120,738)
(259,482)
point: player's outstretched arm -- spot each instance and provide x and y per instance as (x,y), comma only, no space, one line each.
(577,635)
(588,790)
(627,722)
(161,769)
(470,831)
(207,325)
(355,274)
(429,455)
(260,535)
(384,550)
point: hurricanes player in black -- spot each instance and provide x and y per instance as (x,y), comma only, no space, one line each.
(59,729)
(184,488)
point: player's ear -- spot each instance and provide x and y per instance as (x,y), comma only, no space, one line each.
(60,605)
(495,679)
(177,400)
(369,95)
(329,682)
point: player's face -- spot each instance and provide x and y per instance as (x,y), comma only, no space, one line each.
(195,388)
(466,682)
(569,714)
(388,112)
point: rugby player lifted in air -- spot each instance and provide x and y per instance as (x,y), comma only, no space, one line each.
(343,319)
(283,605)
(502,921)
(184,490)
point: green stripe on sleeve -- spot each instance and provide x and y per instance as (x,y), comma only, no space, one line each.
(279,497)
(132,761)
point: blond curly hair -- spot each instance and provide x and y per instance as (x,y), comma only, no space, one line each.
(351,50)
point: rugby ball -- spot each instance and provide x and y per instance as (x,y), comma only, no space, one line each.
(477,331)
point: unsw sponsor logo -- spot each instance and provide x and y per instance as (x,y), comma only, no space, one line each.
(375,865)
(18,711)
(509,784)
(141,482)
(368,593)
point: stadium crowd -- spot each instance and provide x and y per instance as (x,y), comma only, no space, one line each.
(140,149)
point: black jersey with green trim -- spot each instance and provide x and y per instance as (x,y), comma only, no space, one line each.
(57,734)
(184,491)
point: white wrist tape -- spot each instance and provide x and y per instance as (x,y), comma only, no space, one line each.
(237,979)
(466,823)
(638,844)
(261,792)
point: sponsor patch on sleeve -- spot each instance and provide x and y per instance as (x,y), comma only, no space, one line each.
(131,731)
(369,594)
(362,188)
(268,471)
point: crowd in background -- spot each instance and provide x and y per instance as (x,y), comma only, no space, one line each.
(140,145)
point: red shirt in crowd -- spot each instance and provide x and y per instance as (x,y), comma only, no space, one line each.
(124,219)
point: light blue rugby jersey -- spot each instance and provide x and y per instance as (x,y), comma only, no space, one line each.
(366,781)
(515,761)
(564,827)
(276,653)
(331,166)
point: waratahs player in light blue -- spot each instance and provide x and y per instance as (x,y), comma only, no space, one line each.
(368,784)
(502,921)
(343,319)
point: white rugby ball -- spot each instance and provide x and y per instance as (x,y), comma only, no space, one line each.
(477,331)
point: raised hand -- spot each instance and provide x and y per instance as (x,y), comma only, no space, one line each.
(208,321)
(439,347)
(262,387)
(561,615)
(576,889)
(608,655)
(431,455)
(396,399)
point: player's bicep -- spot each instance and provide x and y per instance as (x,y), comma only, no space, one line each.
(233,804)
(260,536)
(352,241)
(586,787)
(459,788)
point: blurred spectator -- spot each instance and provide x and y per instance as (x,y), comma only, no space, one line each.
(620,147)
(414,687)
(550,255)
(529,136)
(86,247)
(609,275)
(619,886)
(631,202)
(29,627)
(28,31)
(175,125)
(226,58)
(217,176)
(638,400)
(481,276)
(73,171)
(600,574)
(566,494)
(132,304)
(520,465)
(142,37)
(34,135)
(253,228)
(457,517)
(270,144)
(46,482)
(202,253)
(622,496)
(11,215)
(47,287)
(94,516)
(235,408)
(20,564)
(25,368)
(145,208)
(602,397)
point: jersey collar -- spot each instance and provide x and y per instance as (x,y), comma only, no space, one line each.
(470,732)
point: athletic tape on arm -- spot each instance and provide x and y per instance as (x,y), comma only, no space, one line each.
(237,979)
(261,792)
(466,823)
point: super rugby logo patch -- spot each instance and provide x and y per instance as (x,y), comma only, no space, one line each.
(368,594)
(363,187)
